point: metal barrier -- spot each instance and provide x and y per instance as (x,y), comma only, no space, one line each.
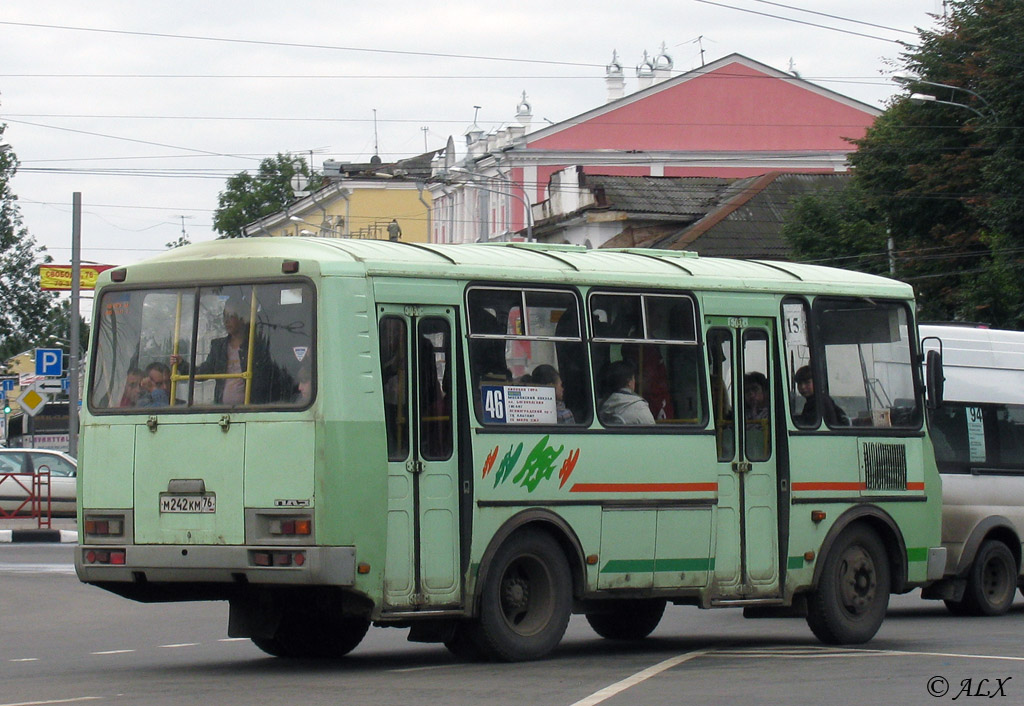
(37,496)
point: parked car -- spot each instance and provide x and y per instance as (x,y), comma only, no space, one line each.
(63,471)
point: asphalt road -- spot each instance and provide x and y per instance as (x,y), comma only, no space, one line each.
(63,642)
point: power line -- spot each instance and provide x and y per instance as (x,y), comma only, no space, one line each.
(800,22)
(301,45)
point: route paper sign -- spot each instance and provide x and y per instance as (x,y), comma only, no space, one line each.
(518,404)
(58,277)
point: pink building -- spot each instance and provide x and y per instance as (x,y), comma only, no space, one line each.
(732,118)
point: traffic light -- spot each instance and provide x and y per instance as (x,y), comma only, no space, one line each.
(7,407)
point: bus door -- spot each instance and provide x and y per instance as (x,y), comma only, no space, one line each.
(747,544)
(422,564)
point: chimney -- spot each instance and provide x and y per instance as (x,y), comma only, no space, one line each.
(645,72)
(662,65)
(613,79)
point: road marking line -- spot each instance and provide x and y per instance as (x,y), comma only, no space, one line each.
(24,659)
(422,669)
(179,644)
(112,652)
(233,639)
(631,681)
(55,701)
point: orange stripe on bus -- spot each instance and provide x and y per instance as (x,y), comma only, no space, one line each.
(829,486)
(644,487)
(915,486)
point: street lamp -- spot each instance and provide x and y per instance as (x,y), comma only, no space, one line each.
(909,79)
(928,98)
(297,219)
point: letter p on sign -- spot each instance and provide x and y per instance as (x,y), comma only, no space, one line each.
(49,362)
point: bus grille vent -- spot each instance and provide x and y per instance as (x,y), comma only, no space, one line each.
(885,466)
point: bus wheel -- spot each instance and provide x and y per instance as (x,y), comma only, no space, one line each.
(526,599)
(990,583)
(307,635)
(852,595)
(627,619)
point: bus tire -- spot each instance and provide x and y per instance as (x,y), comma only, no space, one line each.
(305,635)
(852,595)
(525,600)
(627,619)
(991,582)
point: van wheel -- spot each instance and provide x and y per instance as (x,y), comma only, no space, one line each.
(627,619)
(849,604)
(305,635)
(525,601)
(991,581)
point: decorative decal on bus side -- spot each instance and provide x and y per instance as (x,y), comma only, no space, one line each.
(539,464)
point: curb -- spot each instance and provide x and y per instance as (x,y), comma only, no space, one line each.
(39,535)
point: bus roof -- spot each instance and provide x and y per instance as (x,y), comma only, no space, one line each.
(505,261)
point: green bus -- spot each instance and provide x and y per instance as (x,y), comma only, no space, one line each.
(476,441)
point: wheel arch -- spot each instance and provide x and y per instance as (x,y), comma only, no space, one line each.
(994,527)
(888,532)
(544,521)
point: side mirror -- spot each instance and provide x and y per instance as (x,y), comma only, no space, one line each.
(934,378)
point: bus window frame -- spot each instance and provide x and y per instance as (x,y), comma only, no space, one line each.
(820,369)
(581,339)
(697,343)
(195,287)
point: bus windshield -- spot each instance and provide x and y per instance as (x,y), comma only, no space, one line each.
(211,346)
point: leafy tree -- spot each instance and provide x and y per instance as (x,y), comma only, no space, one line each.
(945,181)
(249,197)
(25,309)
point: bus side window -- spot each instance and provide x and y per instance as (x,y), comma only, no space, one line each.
(435,398)
(394,366)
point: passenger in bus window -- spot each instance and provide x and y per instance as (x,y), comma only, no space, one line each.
(304,385)
(229,354)
(755,396)
(547,375)
(132,388)
(154,385)
(623,405)
(808,416)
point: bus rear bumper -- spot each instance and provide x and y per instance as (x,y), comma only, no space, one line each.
(310,566)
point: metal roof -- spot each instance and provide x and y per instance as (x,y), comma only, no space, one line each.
(248,257)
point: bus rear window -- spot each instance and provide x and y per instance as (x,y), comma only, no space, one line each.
(215,346)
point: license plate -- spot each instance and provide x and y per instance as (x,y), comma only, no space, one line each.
(188,503)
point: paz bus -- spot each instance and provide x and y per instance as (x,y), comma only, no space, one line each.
(978,435)
(331,434)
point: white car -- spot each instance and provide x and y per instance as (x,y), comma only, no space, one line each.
(23,463)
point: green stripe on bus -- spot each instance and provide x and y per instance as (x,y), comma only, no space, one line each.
(632,566)
(917,553)
(795,562)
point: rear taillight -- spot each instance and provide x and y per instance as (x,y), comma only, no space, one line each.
(277,557)
(105,556)
(103,526)
(290,527)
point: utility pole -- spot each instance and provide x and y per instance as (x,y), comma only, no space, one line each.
(76,281)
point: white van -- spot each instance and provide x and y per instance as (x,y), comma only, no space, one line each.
(978,434)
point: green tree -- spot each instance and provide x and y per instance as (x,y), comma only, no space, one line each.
(249,197)
(945,181)
(25,309)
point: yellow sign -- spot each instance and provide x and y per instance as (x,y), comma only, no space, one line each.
(31,402)
(58,277)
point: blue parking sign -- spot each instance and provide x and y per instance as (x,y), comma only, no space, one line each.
(49,362)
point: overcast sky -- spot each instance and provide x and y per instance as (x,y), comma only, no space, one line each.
(147,107)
